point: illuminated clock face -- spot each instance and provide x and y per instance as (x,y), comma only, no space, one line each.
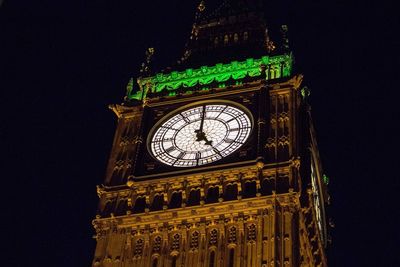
(200,134)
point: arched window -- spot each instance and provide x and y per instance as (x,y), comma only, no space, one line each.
(140,205)
(176,200)
(108,208)
(245,36)
(175,242)
(122,206)
(157,244)
(138,250)
(213,237)
(232,235)
(231,192)
(235,37)
(155,262)
(212,259)
(281,150)
(231,257)
(282,183)
(158,202)
(268,185)
(194,197)
(250,189)
(212,194)
(117,175)
(251,232)
(272,72)
(173,262)
(226,39)
(194,241)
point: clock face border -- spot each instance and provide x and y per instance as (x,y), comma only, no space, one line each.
(183,108)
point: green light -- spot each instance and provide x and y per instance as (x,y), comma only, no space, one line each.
(276,67)
(326,179)
(129,87)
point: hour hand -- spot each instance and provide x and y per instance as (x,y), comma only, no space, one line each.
(201,136)
(209,143)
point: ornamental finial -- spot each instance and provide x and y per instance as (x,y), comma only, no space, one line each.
(145,68)
(268,43)
(202,6)
(305,92)
(285,39)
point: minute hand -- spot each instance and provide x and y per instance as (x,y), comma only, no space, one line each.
(200,135)
(202,119)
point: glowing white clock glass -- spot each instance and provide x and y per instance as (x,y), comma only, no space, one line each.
(200,134)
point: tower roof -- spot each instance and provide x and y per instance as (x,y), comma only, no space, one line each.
(235,30)
(228,44)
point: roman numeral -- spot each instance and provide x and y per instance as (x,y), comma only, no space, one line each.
(184,118)
(198,155)
(230,141)
(217,151)
(234,118)
(170,149)
(221,111)
(237,129)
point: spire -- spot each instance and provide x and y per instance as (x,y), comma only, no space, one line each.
(145,69)
(200,8)
(193,35)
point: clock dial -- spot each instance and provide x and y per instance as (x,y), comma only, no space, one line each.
(200,135)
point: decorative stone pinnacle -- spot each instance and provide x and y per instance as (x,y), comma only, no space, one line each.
(129,183)
(285,39)
(201,7)
(145,67)
(305,92)
(260,164)
(100,190)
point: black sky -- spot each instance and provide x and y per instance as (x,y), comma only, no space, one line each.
(63,62)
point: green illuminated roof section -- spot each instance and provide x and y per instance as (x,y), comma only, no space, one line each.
(276,67)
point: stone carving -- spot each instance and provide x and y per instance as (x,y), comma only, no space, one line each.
(213,237)
(138,248)
(251,232)
(194,241)
(157,244)
(175,242)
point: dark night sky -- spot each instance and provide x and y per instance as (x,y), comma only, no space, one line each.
(63,62)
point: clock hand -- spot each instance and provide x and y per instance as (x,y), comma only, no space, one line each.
(202,119)
(209,143)
(200,135)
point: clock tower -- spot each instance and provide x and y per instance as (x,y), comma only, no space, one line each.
(214,161)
